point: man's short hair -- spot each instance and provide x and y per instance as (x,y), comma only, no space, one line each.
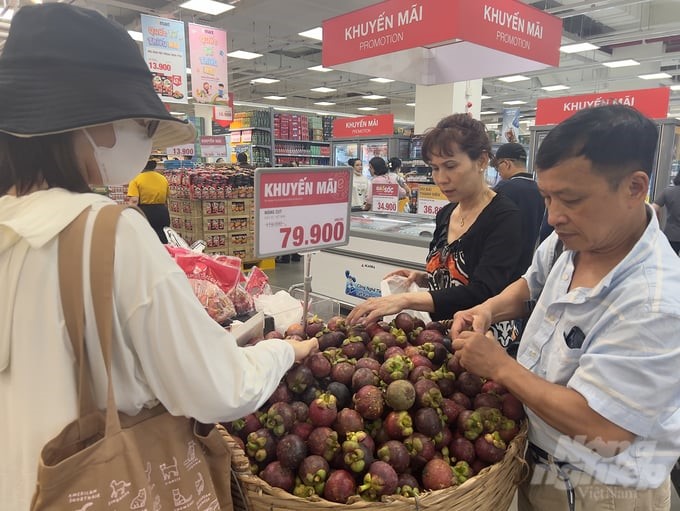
(617,140)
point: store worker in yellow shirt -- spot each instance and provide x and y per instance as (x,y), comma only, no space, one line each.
(149,190)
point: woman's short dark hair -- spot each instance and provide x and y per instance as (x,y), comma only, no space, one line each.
(616,139)
(394,164)
(379,165)
(28,162)
(460,129)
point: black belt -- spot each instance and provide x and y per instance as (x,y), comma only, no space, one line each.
(538,455)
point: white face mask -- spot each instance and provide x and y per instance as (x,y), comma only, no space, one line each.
(128,156)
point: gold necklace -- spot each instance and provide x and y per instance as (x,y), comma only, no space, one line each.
(483,202)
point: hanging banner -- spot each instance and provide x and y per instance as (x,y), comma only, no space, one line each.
(510,126)
(165,54)
(369,126)
(208,55)
(442,41)
(651,102)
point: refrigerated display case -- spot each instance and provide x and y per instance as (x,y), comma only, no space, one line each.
(367,148)
(666,161)
(378,244)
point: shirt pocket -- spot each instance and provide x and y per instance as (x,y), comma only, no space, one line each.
(565,360)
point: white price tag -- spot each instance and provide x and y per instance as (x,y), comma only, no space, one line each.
(385,197)
(299,211)
(181,150)
(430,200)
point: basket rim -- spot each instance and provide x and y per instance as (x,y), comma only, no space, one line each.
(513,454)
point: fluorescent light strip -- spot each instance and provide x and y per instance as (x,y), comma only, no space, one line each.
(244,55)
(675,87)
(135,34)
(324,103)
(367,108)
(313,33)
(514,78)
(266,81)
(515,102)
(320,69)
(484,97)
(621,63)
(488,112)
(323,89)
(275,98)
(578,47)
(655,76)
(207,6)
(373,96)
(553,88)
(410,104)
(381,80)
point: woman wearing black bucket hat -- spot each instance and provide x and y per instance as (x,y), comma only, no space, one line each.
(77,107)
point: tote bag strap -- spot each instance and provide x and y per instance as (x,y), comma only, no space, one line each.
(101,279)
(70,260)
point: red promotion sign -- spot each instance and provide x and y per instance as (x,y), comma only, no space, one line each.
(224,114)
(369,126)
(395,25)
(385,197)
(301,211)
(651,102)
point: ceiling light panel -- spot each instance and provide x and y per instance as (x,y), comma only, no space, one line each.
(621,63)
(266,81)
(553,88)
(207,6)
(515,102)
(410,104)
(275,98)
(381,80)
(373,96)
(324,103)
(244,55)
(313,33)
(484,97)
(675,87)
(488,112)
(578,48)
(320,69)
(514,78)
(655,76)
(367,108)
(323,89)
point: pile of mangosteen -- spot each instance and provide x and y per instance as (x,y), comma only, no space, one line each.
(380,410)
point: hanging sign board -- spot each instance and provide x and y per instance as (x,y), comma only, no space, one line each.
(651,102)
(224,114)
(208,54)
(165,54)
(442,41)
(385,197)
(299,211)
(213,147)
(430,200)
(368,126)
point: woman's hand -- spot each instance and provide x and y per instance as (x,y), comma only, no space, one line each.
(375,308)
(303,348)
(411,276)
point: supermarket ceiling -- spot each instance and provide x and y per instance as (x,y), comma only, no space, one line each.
(646,31)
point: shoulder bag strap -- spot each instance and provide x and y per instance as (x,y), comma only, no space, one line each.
(70,260)
(101,277)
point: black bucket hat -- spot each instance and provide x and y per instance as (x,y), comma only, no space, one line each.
(64,68)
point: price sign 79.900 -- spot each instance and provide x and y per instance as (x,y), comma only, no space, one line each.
(301,210)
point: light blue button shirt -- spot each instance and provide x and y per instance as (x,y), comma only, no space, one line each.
(628,367)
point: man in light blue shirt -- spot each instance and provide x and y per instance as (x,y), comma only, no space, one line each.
(598,365)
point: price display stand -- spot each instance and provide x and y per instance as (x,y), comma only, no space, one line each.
(385,197)
(301,210)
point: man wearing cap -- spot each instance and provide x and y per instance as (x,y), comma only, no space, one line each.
(519,186)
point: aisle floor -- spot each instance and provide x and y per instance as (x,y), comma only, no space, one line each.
(289,274)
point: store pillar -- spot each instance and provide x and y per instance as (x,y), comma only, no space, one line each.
(433,102)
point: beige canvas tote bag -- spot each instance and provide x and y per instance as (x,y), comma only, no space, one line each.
(106,460)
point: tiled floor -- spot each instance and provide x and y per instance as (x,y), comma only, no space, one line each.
(286,275)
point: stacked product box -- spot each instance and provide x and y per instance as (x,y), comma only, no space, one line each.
(216,207)
(291,127)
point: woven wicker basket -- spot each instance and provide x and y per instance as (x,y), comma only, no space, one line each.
(491,490)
